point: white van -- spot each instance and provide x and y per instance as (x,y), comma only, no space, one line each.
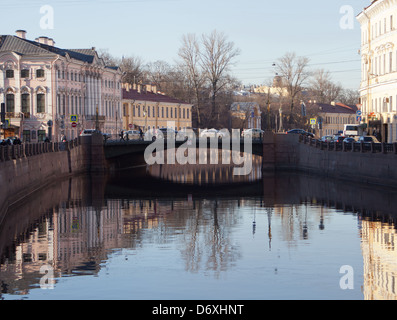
(350,130)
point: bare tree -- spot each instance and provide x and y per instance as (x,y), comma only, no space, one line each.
(132,68)
(322,89)
(293,70)
(189,53)
(216,57)
(349,96)
(157,73)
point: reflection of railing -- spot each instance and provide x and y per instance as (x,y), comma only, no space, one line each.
(369,147)
(9,152)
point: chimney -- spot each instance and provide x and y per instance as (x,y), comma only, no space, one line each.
(42,39)
(21,34)
(51,42)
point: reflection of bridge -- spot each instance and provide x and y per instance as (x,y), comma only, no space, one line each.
(115,149)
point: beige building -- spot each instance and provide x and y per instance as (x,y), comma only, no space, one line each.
(145,108)
(331,118)
(246,115)
(378,88)
(52,91)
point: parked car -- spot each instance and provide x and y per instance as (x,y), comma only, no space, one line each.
(348,140)
(339,138)
(162,133)
(211,133)
(368,139)
(88,132)
(300,131)
(327,138)
(252,133)
(132,135)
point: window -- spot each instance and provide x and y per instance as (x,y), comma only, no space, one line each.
(40,73)
(390,61)
(9,74)
(40,103)
(25,102)
(10,103)
(391,23)
(40,135)
(25,73)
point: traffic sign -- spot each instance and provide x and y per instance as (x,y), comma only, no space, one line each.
(73,118)
(358,118)
(74,124)
(130,125)
(358,112)
(312,120)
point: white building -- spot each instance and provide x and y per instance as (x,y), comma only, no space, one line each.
(47,89)
(378,89)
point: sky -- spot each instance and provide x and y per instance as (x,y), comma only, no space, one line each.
(324,31)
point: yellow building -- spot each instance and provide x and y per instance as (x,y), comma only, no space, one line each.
(334,117)
(145,108)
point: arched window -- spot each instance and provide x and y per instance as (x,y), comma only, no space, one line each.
(25,102)
(40,103)
(10,102)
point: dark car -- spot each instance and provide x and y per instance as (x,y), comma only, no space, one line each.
(348,140)
(339,139)
(300,131)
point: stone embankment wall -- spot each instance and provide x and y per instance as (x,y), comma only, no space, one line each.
(27,168)
(362,163)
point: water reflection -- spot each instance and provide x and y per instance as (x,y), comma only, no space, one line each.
(211,167)
(77,225)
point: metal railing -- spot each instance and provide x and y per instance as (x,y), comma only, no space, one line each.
(363,147)
(18,151)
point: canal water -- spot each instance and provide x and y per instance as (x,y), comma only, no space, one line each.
(180,234)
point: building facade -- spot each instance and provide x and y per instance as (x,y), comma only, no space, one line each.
(50,92)
(378,89)
(246,115)
(331,118)
(145,108)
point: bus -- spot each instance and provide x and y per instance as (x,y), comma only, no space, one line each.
(350,130)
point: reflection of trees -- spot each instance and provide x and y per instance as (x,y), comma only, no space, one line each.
(208,242)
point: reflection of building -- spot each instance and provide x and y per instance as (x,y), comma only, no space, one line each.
(380,260)
(246,115)
(43,85)
(144,107)
(210,168)
(378,89)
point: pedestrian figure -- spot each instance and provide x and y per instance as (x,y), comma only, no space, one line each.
(140,134)
(122,135)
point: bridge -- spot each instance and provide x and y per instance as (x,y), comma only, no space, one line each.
(117,148)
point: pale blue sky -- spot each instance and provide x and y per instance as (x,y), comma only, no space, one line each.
(152,29)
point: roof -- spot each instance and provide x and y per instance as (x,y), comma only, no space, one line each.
(28,47)
(337,108)
(149,96)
